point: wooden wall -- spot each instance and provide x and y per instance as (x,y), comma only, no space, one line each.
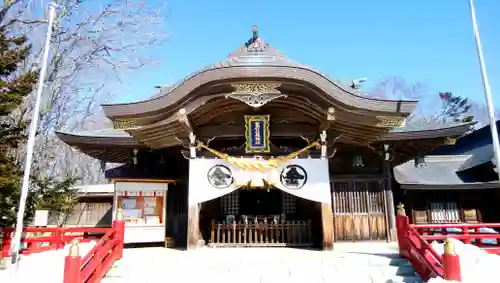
(421,205)
(359,209)
(90,211)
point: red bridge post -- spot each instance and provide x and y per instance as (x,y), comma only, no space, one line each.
(73,264)
(402,225)
(6,244)
(119,234)
(451,262)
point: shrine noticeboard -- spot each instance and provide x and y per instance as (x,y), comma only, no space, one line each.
(257,133)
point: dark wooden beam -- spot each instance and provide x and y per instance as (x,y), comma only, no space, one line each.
(288,130)
(277,130)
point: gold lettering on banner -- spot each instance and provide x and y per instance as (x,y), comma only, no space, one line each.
(257,136)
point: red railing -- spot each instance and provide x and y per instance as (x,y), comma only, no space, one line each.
(97,262)
(89,268)
(38,240)
(413,241)
(468,233)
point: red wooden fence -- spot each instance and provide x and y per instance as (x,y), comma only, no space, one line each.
(89,268)
(43,239)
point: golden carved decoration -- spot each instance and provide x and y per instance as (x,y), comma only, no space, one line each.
(124,124)
(255,94)
(256,88)
(450,141)
(390,122)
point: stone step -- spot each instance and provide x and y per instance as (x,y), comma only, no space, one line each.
(379,260)
(261,265)
(400,279)
(404,270)
(396,274)
(305,278)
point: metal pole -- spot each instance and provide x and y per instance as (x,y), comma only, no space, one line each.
(31,141)
(487,89)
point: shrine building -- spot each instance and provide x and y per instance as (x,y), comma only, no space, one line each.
(259,150)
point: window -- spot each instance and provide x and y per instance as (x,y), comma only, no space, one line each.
(142,210)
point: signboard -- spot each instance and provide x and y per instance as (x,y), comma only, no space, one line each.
(41,218)
(141,193)
(257,133)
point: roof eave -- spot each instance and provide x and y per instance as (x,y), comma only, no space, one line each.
(464,186)
(74,140)
(454,131)
(180,91)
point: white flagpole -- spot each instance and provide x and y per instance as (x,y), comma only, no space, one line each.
(487,89)
(16,244)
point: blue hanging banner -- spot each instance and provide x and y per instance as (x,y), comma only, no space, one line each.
(257,133)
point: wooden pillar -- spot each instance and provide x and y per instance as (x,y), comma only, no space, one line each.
(327,224)
(389,197)
(193,226)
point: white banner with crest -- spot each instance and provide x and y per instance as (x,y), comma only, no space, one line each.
(305,178)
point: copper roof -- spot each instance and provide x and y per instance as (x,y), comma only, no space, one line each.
(439,172)
(155,122)
(256,60)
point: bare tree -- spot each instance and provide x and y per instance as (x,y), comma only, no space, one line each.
(93,44)
(395,88)
(432,108)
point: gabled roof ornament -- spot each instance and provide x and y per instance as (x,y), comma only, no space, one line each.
(256,50)
(255,44)
(255,32)
(254,40)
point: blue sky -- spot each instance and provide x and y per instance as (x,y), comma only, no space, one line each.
(428,41)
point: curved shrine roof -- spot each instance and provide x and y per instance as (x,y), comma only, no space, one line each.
(256,60)
(155,123)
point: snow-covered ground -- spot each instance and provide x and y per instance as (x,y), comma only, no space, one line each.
(359,262)
(350,262)
(42,267)
(476,265)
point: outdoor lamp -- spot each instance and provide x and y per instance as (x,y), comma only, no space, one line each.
(357,161)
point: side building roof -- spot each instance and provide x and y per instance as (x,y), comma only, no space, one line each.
(478,144)
(467,164)
(439,172)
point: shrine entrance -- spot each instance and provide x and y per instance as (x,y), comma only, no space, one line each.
(260,201)
(260,217)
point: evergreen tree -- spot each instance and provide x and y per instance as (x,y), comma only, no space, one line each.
(15,85)
(455,108)
(56,196)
